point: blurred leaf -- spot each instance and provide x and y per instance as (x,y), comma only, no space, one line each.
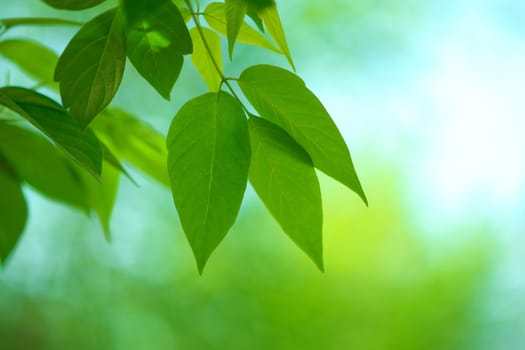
(156,40)
(132,140)
(102,195)
(73,4)
(235,11)
(91,67)
(282,97)
(201,57)
(13,211)
(55,122)
(208,162)
(272,22)
(8,23)
(215,17)
(252,13)
(37,162)
(23,53)
(283,176)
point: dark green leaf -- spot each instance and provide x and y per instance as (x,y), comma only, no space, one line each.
(283,176)
(272,22)
(36,161)
(23,53)
(206,64)
(91,67)
(208,162)
(13,212)
(282,97)
(260,4)
(157,39)
(73,4)
(235,11)
(216,18)
(252,13)
(53,120)
(134,141)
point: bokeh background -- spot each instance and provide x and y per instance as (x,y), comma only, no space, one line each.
(430,98)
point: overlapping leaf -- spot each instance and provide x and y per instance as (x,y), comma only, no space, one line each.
(283,176)
(215,16)
(73,4)
(13,211)
(91,67)
(208,162)
(157,39)
(272,22)
(37,162)
(235,11)
(55,122)
(282,97)
(207,56)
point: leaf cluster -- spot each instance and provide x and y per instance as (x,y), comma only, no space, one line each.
(71,151)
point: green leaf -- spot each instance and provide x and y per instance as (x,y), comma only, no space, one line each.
(157,39)
(201,57)
(23,53)
(272,21)
(260,4)
(235,12)
(50,118)
(91,67)
(252,13)
(36,161)
(8,23)
(73,4)
(134,141)
(208,163)
(282,97)
(283,176)
(13,212)
(102,195)
(216,18)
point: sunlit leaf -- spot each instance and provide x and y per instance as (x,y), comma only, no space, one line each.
(57,124)
(283,176)
(272,22)
(73,4)
(208,161)
(134,141)
(13,211)
(23,53)
(282,97)
(207,62)
(36,161)
(91,67)
(157,39)
(215,17)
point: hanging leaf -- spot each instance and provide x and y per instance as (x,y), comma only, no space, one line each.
(235,12)
(272,22)
(252,13)
(282,97)
(206,62)
(102,195)
(208,162)
(157,39)
(48,116)
(37,162)
(283,176)
(73,4)
(216,18)
(134,141)
(23,53)
(13,211)
(91,67)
